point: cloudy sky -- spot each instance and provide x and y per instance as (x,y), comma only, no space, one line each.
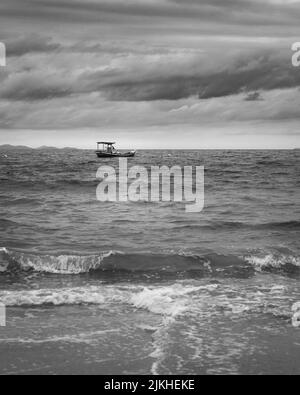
(150,73)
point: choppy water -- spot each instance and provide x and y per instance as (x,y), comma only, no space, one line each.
(145,287)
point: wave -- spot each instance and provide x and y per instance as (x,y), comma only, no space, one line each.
(6,223)
(163,300)
(182,264)
(8,201)
(269,162)
(179,300)
(296,315)
(49,183)
(272,261)
(232,225)
(61,264)
(285,225)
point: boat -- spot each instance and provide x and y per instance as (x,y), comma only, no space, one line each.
(109,151)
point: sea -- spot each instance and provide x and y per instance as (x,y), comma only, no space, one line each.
(94,287)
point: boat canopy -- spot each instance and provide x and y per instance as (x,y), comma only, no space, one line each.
(109,151)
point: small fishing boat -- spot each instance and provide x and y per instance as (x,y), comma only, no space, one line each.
(109,151)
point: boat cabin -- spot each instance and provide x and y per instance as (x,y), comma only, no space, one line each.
(108,147)
(108,150)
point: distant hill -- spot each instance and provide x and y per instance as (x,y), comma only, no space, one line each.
(8,147)
(45,147)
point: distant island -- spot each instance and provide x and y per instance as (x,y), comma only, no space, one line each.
(8,147)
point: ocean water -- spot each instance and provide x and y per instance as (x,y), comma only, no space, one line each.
(146,288)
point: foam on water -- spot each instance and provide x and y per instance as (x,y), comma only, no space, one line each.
(172,300)
(62,264)
(92,295)
(296,316)
(169,262)
(260,263)
(175,303)
(160,344)
(168,300)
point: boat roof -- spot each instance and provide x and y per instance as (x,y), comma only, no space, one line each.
(106,143)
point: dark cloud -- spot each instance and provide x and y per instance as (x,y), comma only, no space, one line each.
(253,96)
(32,43)
(171,89)
(173,80)
(155,77)
(262,73)
(39,44)
(26,87)
(204,15)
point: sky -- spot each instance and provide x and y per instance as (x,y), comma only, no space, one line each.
(150,73)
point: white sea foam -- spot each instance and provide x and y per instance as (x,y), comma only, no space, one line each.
(272,261)
(171,302)
(160,344)
(168,300)
(296,307)
(58,297)
(63,264)
(159,301)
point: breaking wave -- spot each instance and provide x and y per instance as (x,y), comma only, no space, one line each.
(170,264)
(271,261)
(296,315)
(171,301)
(61,264)
(165,300)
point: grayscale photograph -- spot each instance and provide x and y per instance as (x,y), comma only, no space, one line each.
(149,190)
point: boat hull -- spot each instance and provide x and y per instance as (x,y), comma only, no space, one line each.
(102,154)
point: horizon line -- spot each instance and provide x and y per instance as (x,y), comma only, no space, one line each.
(149,149)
